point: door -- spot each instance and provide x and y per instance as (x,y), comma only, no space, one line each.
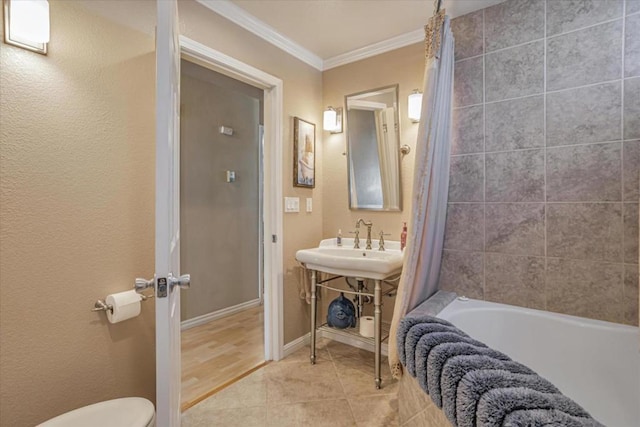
(168,281)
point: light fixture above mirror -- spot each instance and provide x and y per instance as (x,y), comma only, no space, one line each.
(26,24)
(332,120)
(414,106)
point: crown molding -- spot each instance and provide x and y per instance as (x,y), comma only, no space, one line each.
(244,19)
(374,49)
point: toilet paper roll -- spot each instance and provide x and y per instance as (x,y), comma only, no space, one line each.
(125,306)
(366,326)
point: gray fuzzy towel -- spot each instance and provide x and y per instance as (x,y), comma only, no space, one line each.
(417,332)
(475,383)
(458,366)
(546,418)
(496,404)
(479,386)
(429,373)
(409,322)
(427,342)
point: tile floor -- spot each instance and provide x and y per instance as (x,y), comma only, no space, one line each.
(338,391)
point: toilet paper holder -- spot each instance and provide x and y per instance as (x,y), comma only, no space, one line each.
(100,305)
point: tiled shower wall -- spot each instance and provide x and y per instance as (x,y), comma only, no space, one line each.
(544,186)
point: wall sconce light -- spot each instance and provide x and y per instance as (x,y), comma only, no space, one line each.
(26,24)
(332,120)
(415,106)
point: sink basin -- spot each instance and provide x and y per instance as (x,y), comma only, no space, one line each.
(346,261)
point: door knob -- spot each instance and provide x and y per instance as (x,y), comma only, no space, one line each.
(184,281)
(142,284)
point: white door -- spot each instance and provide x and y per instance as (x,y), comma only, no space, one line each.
(168,279)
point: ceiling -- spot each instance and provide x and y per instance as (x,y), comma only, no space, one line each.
(333,28)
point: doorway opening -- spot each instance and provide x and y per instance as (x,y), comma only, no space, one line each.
(221,188)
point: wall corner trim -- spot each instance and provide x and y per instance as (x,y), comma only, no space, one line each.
(374,49)
(244,19)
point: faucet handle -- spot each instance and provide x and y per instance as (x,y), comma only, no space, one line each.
(381,242)
(356,240)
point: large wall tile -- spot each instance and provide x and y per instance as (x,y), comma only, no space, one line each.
(588,231)
(633,6)
(518,123)
(632,108)
(513,22)
(584,288)
(584,57)
(569,15)
(467,30)
(515,280)
(515,176)
(468,130)
(463,273)
(466,178)
(631,294)
(632,46)
(515,229)
(515,72)
(467,86)
(631,233)
(631,170)
(590,114)
(465,227)
(584,173)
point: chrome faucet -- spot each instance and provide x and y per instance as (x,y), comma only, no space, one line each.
(369,224)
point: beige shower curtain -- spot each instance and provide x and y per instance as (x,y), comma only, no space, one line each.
(421,268)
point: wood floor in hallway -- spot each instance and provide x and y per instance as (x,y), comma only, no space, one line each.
(219,352)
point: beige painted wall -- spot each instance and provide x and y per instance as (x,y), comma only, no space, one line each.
(76,216)
(404,67)
(76,201)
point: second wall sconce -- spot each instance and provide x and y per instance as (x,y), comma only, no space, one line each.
(332,120)
(415,106)
(26,24)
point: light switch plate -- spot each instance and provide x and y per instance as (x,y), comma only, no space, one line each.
(309,204)
(292,204)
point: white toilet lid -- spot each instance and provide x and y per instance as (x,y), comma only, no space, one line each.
(125,412)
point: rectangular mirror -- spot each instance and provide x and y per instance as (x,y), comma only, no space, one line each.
(373,150)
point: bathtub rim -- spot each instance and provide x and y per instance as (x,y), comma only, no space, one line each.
(463,304)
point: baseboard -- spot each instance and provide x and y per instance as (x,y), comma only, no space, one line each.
(205,318)
(295,345)
(353,341)
(298,343)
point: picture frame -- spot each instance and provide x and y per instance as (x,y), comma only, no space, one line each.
(304,153)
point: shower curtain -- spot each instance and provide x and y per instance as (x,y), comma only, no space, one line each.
(421,268)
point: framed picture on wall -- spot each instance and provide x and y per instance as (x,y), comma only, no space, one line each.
(304,153)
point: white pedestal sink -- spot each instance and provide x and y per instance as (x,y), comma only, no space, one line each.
(362,264)
(346,261)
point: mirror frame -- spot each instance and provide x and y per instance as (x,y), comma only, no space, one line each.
(345,119)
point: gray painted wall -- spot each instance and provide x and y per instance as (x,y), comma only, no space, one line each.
(219,220)
(545,164)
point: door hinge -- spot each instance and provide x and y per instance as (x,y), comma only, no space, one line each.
(274,238)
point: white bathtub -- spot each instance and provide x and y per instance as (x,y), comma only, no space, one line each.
(595,363)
